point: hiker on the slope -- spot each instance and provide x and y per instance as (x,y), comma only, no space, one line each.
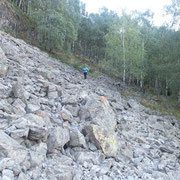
(85,70)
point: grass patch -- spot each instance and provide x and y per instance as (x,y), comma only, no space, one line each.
(78,63)
(126,94)
(165,106)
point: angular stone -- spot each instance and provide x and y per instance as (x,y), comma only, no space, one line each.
(66,115)
(46,74)
(73,109)
(52,95)
(8,173)
(19,110)
(104,139)
(23,176)
(51,88)
(101,113)
(3,70)
(84,113)
(165,149)
(45,117)
(10,148)
(77,139)
(69,99)
(38,154)
(90,157)
(57,138)
(4,91)
(20,133)
(36,125)
(30,108)
(6,178)
(3,58)
(3,66)
(8,163)
(105,178)
(5,106)
(18,91)
(65,176)
(117,106)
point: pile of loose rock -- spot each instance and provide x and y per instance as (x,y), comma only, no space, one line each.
(54,125)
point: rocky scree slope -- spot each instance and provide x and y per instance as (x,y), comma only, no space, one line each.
(54,125)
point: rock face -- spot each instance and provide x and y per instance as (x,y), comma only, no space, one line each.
(58,137)
(11,19)
(54,125)
(77,139)
(3,62)
(12,149)
(100,112)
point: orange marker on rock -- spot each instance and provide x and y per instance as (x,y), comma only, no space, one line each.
(103,99)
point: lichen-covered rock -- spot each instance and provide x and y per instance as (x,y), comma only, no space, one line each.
(3,70)
(104,139)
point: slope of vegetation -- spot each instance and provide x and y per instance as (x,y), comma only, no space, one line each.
(128,47)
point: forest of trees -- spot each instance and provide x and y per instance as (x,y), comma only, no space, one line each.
(128,46)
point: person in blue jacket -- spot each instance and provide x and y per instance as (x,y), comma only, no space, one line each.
(85,70)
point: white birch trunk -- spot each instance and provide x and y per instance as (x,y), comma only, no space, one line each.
(166,88)
(130,78)
(141,81)
(20,3)
(141,78)
(73,46)
(124,58)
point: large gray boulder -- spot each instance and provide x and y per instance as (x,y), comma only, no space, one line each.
(38,154)
(35,125)
(12,149)
(100,112)
(77,139)
(57,138)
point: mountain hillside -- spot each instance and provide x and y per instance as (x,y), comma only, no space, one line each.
(15,22)
(54,125)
